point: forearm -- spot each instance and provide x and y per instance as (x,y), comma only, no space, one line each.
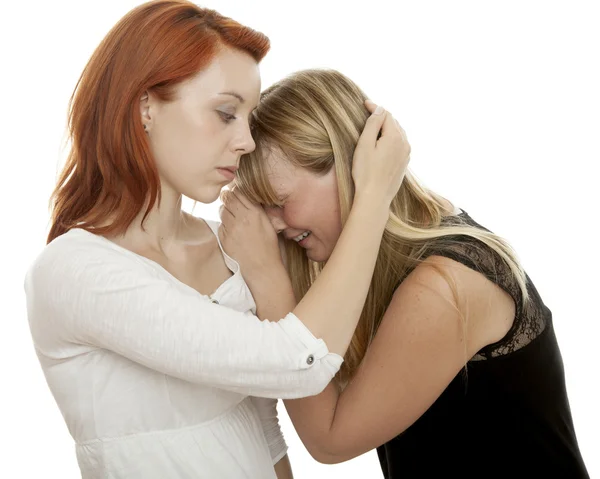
(272,292)
(313,418)
(283,469)
(332,306)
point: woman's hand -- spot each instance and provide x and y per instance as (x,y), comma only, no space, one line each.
(248,237)
(379,164)
(247,234)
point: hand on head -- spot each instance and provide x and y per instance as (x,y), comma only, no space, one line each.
(380,162)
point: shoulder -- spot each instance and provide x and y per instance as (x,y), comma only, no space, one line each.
(78,245)
(443,287)
(74,256)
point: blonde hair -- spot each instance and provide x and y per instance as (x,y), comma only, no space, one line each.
(315,117)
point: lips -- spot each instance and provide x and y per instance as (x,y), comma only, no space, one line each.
(301,236)
(228,172)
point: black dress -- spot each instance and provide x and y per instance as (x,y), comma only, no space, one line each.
(506,414)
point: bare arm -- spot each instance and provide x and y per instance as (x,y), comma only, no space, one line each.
(331,308)
(421,343)
(283,468)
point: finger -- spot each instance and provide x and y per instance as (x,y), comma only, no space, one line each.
(223,195)
(226,213)
(245,202)
(243,198)
(222,232)
(229,211)
(221,209)
(400,130)
(371,106)
(368,137)
(389,124)
(230,201)
(400,126)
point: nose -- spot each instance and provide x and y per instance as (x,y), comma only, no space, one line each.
(244,143)
(275,216)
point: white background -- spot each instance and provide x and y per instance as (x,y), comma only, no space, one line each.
(501,103)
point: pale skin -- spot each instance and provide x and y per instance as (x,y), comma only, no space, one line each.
(420,346)
(197,140)
(181,243)
(191,138)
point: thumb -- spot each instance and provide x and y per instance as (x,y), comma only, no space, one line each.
(370,133)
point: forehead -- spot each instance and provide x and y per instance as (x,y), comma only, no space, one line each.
(229,71)
(283,176)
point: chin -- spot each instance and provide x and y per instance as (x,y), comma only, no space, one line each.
(317,256)
(206,196)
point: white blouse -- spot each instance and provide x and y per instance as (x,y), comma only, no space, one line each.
(154,379)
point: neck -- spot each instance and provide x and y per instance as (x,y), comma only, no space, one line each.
(163,226)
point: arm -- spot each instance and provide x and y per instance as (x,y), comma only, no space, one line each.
(283,468)
(91,294)
(340,290)
(421,345)
(84,294)
(332,306)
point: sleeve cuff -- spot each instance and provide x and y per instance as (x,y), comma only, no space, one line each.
(316,349)
(280,455)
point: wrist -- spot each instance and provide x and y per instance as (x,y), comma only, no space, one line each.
(265,273)
(371,207)
(272,292)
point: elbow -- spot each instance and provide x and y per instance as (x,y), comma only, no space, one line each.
(327,454)
(325,457)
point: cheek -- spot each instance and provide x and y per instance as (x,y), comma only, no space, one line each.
(329,219)
(327,216)
(296,216)
(185,144)
(317,214)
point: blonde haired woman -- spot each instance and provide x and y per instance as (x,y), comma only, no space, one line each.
(454,367)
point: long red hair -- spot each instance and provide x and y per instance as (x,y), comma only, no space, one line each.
(110,171)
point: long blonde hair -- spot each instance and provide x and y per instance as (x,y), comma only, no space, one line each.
(315,118)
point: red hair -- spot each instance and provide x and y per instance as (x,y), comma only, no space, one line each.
(110,171)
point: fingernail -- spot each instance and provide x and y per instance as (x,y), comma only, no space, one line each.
(378,110)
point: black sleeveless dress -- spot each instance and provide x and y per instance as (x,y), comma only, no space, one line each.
(507,414)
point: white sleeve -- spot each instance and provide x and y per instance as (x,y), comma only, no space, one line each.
(267,412)
(90,294)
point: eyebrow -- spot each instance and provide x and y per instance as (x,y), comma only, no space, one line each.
(234,94)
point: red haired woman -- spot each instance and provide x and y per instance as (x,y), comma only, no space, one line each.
(148,335)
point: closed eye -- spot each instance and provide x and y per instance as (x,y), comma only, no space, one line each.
(226,117)
(273,206)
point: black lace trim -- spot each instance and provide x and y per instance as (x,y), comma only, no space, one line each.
(531,319)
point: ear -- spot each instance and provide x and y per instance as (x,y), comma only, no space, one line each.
(145,111)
